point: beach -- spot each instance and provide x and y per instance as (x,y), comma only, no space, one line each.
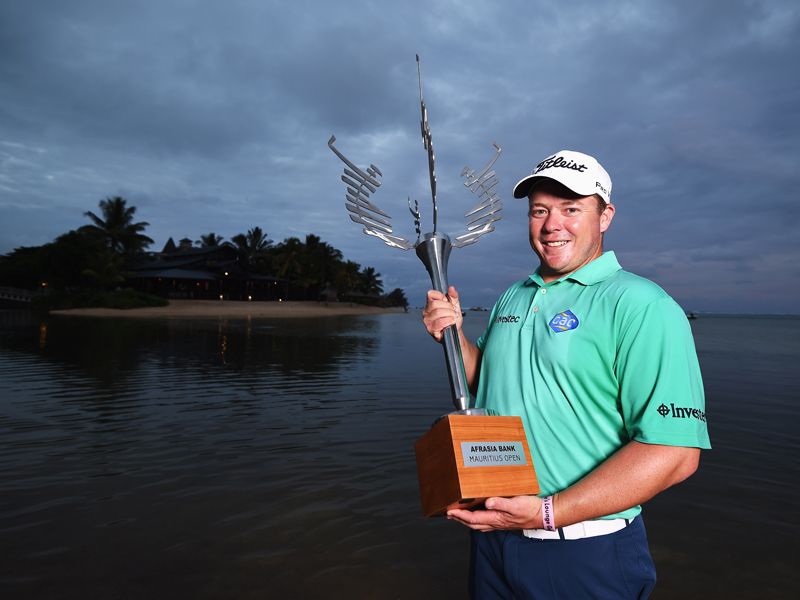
(200,309)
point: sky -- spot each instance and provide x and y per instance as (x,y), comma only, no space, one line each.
(214,117)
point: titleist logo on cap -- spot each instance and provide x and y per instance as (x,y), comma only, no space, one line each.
(578,172)
(558,161)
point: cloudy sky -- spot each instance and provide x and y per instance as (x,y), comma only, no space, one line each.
(214,116)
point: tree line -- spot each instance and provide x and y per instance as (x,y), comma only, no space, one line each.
(101,254)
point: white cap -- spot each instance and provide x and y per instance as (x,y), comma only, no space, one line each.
(579,172)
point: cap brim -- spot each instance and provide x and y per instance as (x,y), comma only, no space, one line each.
(523,187)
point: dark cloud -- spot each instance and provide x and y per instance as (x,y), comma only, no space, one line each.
(214,116)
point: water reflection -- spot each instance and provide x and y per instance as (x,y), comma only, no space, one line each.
(257,458)
(248,452)
(109,350)
(42,336)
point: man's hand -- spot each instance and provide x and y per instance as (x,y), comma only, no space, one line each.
(519,512)
(441,311)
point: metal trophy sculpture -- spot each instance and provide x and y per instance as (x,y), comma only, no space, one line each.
(467,438)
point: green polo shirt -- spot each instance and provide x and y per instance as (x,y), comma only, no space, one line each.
(590,362)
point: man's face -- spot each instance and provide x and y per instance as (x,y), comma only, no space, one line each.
(565,234)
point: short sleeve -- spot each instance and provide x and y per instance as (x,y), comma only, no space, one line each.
(660,385)
(481,342)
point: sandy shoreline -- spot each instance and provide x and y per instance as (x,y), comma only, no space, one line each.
(214,309)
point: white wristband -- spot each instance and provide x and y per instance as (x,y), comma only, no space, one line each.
(548,517)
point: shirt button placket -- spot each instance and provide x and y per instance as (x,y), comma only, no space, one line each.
(531,312)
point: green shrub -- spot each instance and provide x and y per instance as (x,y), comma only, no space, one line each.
(121,299)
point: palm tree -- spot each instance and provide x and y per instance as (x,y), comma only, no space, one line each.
(371,283)
(252,244)
(397,297)
(321,260)
(289,257)
(103,270)
(347,277)
(254,248)
(117,228)
(209,240)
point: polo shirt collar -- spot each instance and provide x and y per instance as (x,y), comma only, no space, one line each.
(600,269)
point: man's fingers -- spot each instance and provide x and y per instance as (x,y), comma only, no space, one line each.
(439,317)
(437,327)
(441,311)
(483,520)
(451,297)
(465,517)
(500,513)
(437,320)
(435,295)
(501,504)
(479,527)
(442,323)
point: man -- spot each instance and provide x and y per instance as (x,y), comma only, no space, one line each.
(601,366)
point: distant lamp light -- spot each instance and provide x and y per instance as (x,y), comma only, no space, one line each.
(249,297)
(226,273)
(220,297)
(44,284)
(280,299)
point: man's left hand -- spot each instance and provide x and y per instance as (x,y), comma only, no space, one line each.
(519,512)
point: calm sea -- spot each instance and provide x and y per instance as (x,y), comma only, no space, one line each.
(274,459)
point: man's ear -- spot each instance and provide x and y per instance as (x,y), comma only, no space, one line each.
(606,217)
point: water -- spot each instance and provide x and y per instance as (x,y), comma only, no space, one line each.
(259,459)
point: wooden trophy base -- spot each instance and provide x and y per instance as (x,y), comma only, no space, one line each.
(465,459)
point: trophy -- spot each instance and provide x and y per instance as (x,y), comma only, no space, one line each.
(467,455)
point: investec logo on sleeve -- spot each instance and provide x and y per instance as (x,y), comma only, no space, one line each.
(507,319)
(681,412)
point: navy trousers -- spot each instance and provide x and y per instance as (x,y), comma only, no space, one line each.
(506,565)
